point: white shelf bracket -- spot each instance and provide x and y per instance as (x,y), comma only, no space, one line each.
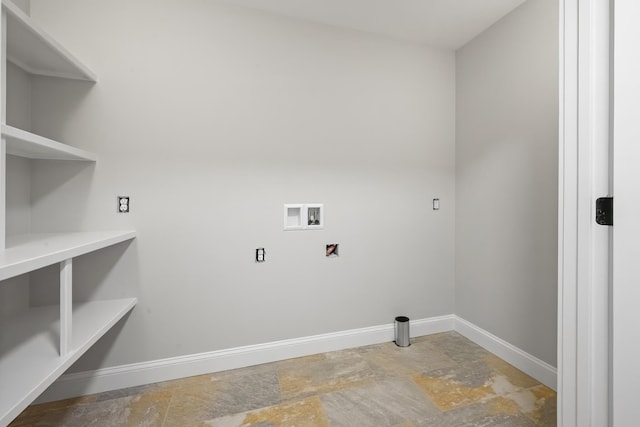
(66,306)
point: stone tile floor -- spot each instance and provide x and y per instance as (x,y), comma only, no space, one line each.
(440,380)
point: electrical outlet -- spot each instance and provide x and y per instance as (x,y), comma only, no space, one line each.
(123,204)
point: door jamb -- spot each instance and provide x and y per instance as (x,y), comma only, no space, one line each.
(583,259)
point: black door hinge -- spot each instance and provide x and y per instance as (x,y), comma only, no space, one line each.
(604,211)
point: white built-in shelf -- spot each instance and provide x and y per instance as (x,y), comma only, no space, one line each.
(41,343)
(29,354)
(26,144)
(36,52)
(29,252)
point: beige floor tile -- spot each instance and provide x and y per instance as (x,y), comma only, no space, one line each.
(391,360)
(301,413)
(384,404)
(323,375)
(148,409)
(217,397)
(515,376)
(449,394)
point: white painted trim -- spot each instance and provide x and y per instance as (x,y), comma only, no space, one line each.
(593,247)
(567,214)
(582,247)
(522,360)
(66,307)
(3,119)
(136,374)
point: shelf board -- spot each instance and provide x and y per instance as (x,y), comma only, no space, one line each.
(29,252)
(29,357)
(36,52)
(26,144)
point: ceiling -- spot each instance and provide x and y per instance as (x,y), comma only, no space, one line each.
(448,24)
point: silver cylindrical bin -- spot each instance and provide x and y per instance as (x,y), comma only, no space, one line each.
(402,331)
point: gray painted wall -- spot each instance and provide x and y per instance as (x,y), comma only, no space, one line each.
(506,179)
(25,5)
(14,293)
(211,117)
(19,187)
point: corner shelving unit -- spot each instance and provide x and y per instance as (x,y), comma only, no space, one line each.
(40,343)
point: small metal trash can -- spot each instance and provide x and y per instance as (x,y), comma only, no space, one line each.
(402,331)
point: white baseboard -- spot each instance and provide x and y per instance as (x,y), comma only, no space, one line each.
(522,360)
(83,383)
(136,374)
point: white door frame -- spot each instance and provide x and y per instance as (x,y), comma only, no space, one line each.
(625,374)
(583,251)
